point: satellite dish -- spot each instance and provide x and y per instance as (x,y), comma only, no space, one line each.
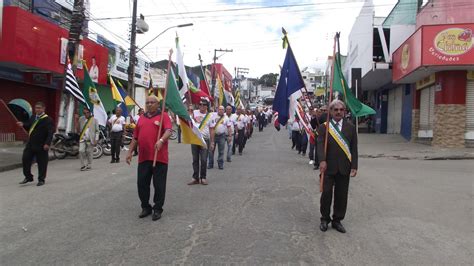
(142,26)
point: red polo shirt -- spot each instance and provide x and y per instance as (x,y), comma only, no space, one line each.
(146,133)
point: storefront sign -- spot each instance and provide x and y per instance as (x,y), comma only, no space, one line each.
(119,60)
(448,44)
(427,81)
(434,45)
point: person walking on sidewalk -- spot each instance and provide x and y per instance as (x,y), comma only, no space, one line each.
(117,123)
(145,135)
(337,165)
(88,129)
(201,119)
(221,126)
(40,132)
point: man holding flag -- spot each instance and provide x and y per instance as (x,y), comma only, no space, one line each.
(337,163)
(145,136)
(202,119)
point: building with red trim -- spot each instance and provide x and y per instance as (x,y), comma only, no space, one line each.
(438,61)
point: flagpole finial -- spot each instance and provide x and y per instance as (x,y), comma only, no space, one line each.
(285,38)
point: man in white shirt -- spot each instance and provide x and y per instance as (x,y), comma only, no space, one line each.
(231,138)
(222,130)
(94,71)
(241,123)
(202,119)
(116,123)
(295,134)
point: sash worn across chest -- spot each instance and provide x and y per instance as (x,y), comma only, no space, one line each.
(83,131)
(219,121)
(204,121)
(341,141)
(36,123)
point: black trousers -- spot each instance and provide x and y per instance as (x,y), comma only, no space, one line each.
(115,144)
(341,189)
(199,160)
(296,139)
(41,158)
(146,172)
(303,142)
(241,139)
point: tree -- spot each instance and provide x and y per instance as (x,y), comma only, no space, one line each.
(268,80)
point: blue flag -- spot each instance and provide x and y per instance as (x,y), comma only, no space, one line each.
(289,83)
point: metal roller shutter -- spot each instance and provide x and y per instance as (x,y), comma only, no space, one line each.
(470,113)
(426,112)
(394,117)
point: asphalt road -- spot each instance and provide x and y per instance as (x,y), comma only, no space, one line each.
(263,208)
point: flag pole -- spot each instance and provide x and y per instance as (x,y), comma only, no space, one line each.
(299,73)
(163,105)
(321,182)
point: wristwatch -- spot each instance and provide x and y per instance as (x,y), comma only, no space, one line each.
(162,141)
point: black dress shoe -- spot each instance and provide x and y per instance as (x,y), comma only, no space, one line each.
(40,183)
(145,213)
(112,161)
(338,226)
(156,216)
(26,180)
(323,226)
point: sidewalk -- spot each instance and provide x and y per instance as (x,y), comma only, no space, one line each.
(10,155)
(396,147)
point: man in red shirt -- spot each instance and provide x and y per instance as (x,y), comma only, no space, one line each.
(145,136)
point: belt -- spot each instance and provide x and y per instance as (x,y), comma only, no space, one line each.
(221,134)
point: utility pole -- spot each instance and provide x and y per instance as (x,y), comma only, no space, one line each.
(66,108)
(213,90)
(132,58)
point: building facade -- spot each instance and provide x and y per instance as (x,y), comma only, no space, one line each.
(438,62)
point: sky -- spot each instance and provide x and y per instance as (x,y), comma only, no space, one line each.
(251,28)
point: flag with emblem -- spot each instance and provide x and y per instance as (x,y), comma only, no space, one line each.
(93,99)
(190,133)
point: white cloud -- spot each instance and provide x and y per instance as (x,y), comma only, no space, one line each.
(254,35)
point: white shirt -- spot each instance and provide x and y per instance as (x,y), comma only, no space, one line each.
(241,121)
(117,124)
(197,119)
(223,126)
(339,125)
(94,73)
(233,122)
(295,126)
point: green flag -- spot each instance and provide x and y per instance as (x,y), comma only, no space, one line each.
(93,98)
(357,108)
(189,132)
(173,98)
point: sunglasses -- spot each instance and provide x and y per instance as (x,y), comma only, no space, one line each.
(150,102)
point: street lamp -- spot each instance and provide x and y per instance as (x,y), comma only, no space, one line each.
(177,26)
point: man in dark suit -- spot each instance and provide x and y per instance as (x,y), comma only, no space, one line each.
(262,118)
(337,164)
(40,131)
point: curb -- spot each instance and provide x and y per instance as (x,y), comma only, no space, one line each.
(14,166)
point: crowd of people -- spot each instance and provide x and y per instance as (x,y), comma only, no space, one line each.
(336,156)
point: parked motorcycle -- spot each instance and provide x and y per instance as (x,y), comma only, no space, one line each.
(104,142)
(64,145)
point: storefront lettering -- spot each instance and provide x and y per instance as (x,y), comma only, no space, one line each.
(453,41)
(443,57)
